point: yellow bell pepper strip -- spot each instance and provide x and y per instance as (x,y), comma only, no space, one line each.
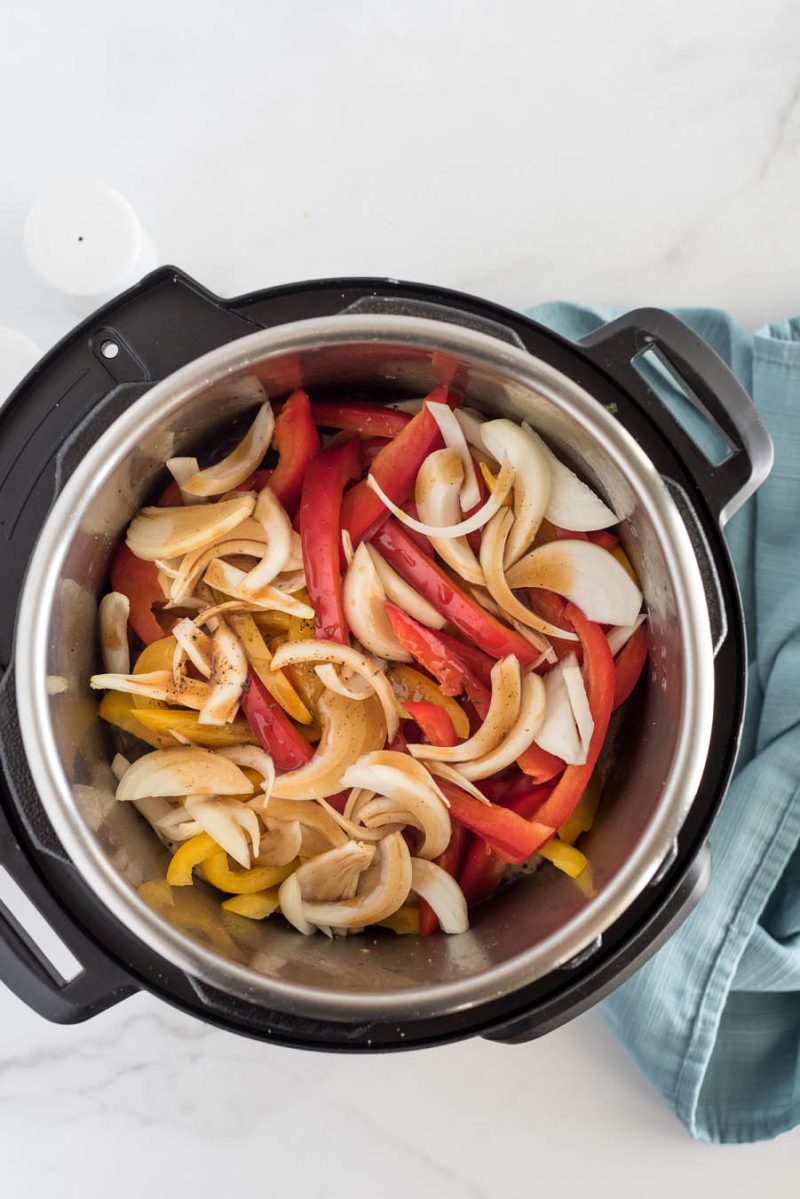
(582,819)
(272,622)
(491,483)
(625,562)
(194,851)
(256,906)
(564,857)
(243,882)
(156,656)
(152,722)
(410,684)
(117,708)
(404,922)
(260,659)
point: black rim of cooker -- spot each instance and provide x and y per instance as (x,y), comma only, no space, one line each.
(61,408)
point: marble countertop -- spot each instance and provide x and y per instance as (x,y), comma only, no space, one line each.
(611,153)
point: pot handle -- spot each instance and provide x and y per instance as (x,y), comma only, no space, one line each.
(717,402)
(617,967)
(433,311)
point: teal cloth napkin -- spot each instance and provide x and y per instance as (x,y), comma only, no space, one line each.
(713,1020)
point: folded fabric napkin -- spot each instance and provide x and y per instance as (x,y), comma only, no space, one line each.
(713,1020)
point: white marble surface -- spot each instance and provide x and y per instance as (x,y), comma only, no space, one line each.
(618,152)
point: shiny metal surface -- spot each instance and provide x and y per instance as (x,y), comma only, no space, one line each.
(527,930)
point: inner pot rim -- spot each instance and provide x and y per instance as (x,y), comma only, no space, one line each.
(54,789)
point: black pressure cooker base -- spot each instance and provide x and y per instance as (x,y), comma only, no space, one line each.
(66,402)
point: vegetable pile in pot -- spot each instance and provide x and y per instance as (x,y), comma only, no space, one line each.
(378,652)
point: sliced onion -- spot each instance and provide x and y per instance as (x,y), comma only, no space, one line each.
(357,797)
(470,524)
(209,614)
(183,771)
(113,616)
(194,644)
(384,888)
(437,499)
(291,653)
(454,439)
(328,676)
(227,822)
(169,821)
(295,560)
(291,901)
(622,633)
(119,764)
(493,554)
(230,580)
(192,566)
(254,758)
(403,796)
(537,640)
(319,832)
(170,532)
(586,574)
(182,469)
(579,702)
(228,677)
(441,891)
(518,737)
(403,594)
(157,684)
(240,463)
(364,600)
(558,733)
(180,737)
(500,718)
(471,424)
(349,728)
(453,774)
(278,530)
(572,504)
(280,844)
(358,832)
(347,546)
(334,875)
(510,443)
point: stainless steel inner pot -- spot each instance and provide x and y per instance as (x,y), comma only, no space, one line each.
(528,929)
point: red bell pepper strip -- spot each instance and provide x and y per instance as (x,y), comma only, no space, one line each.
(451,861)
(551,607)
(372,446)
(410,508)
(320,534)
(273,728)
(479,663)
(434,721)
(515,838)
(629,664)
(297,441)
(540,765)
(138,580)
(527,801)
(395,468)
(473,621)
(601,537)
(368,420)
(171,497)
(482,871)
(432,652)
(600,678)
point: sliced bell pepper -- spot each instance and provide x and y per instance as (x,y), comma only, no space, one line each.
(582,819)
(190,854)
(296,439)
(451,861)
(157,655)
(600,679)
(260,659)
(171,497)
(395,468)
(625,562)
(629,664)
(565,857)
(271,725)
(551,607)
(515,838)
(405,921)
(432,582)
(602,537)
(435,655)
(482,871)
(138,580)
(410,509)
(255,906)
(476,661)
(539,764)
(408,683)
(320,532)
(157,723)
(434,721)
(243,882)
(117,708)
(368,420)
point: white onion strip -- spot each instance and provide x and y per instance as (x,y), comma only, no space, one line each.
(453,437)
(254,758)
(331,651)
(364,601)
(436,495)
(240,463)
(579,702)
(228,677)
(518,737)
(584,573)
(230,580)
(471,524)
(156,684)
(328,676)
(113,618)
(182,469)
(621,634)
(503,712)
(493,549)
(558,733)
(403,594)
(572,504)
(508,442)
(169,532)
(441,891)
(182,771)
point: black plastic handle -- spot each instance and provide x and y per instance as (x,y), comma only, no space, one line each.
(616,968)
(709,386)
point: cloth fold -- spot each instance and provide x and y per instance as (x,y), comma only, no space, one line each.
(713,1020)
